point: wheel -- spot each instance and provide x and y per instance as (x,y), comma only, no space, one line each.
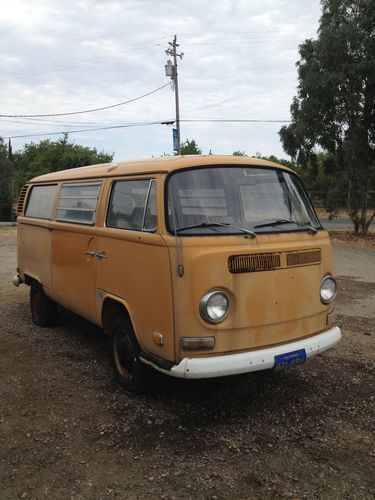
(43,309)
(129,371)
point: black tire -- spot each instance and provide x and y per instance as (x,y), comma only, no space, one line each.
(128,369)
(43,309)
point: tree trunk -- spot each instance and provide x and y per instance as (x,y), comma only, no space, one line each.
(353,214)
(367,224)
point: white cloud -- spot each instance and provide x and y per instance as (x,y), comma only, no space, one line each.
(239,63)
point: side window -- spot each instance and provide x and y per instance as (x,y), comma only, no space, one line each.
(40,202)
(78,202)
(133,205)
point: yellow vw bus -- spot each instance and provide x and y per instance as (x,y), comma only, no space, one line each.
(196,266)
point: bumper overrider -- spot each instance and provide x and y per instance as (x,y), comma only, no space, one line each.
(245,362)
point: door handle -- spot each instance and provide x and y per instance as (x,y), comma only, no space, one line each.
(100,255)
(90,254)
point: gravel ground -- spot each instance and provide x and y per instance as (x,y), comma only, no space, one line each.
(67,431)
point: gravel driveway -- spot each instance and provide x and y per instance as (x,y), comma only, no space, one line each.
(67,431)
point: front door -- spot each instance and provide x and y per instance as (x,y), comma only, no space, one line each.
(135,267)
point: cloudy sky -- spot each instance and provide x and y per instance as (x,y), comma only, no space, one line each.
(74,55)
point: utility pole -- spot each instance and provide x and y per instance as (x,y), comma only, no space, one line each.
(171,71)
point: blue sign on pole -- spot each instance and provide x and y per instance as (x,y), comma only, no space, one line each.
(175,142)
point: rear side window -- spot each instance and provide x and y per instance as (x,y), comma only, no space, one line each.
(41,201)
(133,205)
(78,202)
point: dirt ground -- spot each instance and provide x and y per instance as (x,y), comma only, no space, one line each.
(67,431)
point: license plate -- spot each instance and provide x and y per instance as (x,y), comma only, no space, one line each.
(290,358)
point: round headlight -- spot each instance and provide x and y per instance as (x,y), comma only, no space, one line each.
(328,289)
(214,306)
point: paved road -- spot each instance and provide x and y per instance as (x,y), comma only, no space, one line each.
(355,264)
(334,224)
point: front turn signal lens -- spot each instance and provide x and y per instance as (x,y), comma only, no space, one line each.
(197,343)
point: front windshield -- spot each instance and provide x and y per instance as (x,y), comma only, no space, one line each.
(226,199)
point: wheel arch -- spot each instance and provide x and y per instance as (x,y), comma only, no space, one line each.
(44,311)
(29,280)
(112,309)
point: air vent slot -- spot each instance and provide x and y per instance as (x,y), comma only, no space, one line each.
(304,258)
(21,199)
(254,263)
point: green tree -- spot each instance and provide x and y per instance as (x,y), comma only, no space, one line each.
(290,164)
(49,156)
(239,153)
(334,110)
(190,148)
(6,183)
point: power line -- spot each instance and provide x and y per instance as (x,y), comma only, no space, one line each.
(233,120)
(255,36)
(66,63)
(141,124)
(195,38)
(211,34)
(87,110)
(246,40)
(186,120)
(44,123)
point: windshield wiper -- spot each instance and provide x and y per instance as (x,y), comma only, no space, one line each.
(279,222)
(216,224)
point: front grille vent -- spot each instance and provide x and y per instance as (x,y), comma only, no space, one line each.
(303,258)
(21,199)
(250,263)
(253,263)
